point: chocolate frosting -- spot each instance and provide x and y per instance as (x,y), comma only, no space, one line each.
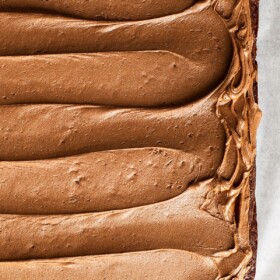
(97,181)
(177,265)
(99,9)
(181,47)
(127,139)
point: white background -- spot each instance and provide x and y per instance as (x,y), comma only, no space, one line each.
(268,158)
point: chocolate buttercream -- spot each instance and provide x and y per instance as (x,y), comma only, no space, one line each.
(182,47)
(127,139)
(99,9)
(97,181)
(164,225)
(172,264)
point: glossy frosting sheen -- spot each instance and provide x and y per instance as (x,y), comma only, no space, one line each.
(127,139)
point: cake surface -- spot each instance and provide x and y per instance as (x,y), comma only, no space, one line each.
(128,139)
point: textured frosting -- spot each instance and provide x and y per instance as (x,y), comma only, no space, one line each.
(97,181)
(99,9)
(127,139)
(175,224)
(176,265)
(181,47)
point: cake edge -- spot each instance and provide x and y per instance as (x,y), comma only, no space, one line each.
(254,5)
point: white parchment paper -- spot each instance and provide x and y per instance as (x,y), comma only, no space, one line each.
(268,158)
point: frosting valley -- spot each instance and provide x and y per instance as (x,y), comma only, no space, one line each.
(109,169)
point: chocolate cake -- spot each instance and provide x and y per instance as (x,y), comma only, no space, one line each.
(128,139)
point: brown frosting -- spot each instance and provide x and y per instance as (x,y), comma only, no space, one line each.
(126,145)
(46,79)
(171,264)
(97,181)
(193,128)
(158,226)
(182,48)
(99,9)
